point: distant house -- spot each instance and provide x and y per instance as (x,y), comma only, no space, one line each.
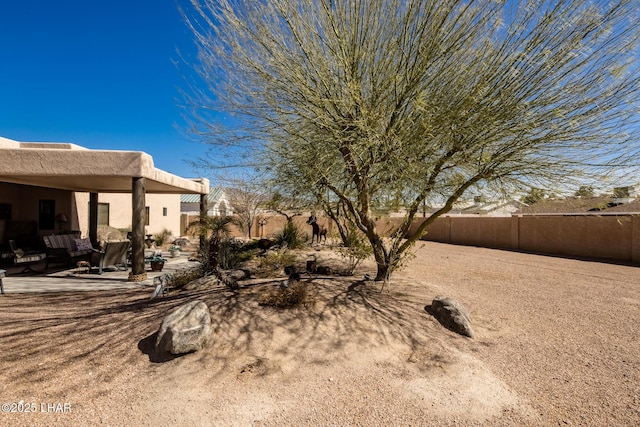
(584,205)
(218,204)
(482,207)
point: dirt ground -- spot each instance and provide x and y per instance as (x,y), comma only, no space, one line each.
(557,343)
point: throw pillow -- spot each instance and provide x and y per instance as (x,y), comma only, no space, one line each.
(83,244)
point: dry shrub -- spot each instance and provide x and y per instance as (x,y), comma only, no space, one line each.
(107,233)
(181,278)
(295,294)
(162,237)
(273,263)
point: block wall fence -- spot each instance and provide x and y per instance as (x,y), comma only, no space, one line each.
(607,237)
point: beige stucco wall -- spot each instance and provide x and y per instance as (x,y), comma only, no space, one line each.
(120,211)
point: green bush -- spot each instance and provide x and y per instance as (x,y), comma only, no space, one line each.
(291,236)
(233,255)
(162,237)
(273,263)
(356,249)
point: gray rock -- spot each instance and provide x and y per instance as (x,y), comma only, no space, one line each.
(202,283)
(185,329)
(182,242)
(452,315)
(238,274)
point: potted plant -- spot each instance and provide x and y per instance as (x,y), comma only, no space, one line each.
(174,251)
(157,263)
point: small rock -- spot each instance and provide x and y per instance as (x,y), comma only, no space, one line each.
(238,274)
(185,329)
(206,282)
(182,242)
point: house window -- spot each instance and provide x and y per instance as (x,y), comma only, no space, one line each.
(146,215)
(103,213)
(5,211)
(164,211)
(47,214)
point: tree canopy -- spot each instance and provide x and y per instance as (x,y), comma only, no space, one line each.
(352,101)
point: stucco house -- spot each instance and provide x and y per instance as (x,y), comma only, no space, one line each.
(49,188)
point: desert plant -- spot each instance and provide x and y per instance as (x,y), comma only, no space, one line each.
(534,196)
(356,248)
(232,255)
(291,236)
(273,263)
(288,295)
(181,278)
(162,237)
(209,254)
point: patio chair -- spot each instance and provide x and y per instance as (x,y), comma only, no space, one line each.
(25,259)
(113,254)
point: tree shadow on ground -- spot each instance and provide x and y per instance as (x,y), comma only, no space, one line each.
(101,333)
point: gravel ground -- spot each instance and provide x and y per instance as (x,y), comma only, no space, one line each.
(556,344)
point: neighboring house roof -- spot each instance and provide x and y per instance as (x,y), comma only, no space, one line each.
(215,194)
(488,208)
(75,168)
(633,206)
(573,205)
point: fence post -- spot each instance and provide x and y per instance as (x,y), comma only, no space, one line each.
(515,232)
(635,239)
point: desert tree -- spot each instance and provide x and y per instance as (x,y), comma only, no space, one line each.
(247,197)
(426,99)
(585,191)
(534,195)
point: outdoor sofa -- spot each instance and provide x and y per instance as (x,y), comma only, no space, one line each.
(67,248)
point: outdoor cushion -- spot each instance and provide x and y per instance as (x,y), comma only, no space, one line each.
(61,241)
(25,258)
(30,258)
(83,244)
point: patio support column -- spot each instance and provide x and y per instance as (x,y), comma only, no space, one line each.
(93,219)
(203,215)
(138,272)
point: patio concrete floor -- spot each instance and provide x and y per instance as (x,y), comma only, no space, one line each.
(77,279)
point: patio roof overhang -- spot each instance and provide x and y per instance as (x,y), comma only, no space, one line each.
(74,168)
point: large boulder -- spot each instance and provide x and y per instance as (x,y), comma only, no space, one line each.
(452,315)
(185,329)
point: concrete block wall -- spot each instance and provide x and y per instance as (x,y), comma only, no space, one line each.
(613,237)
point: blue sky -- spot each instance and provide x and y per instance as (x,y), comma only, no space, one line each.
(97,74)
